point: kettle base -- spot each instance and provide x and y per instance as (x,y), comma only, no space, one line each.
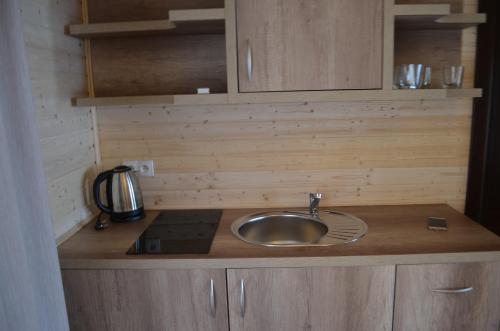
(130,216)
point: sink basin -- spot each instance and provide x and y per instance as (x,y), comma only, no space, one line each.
(297,228)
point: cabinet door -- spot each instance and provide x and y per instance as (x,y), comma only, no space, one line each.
(309,45)
(470,300)
(340,298)
(146,299)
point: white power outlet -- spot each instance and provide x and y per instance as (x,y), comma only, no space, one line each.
(134,164)
(146,168)
(141,167)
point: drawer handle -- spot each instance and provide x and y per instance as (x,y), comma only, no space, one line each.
(242,298)
(213,307)
(249,62)
(453,290)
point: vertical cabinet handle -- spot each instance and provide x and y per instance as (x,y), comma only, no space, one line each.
(213,307)
(242,298)
(249,63)
(453,290)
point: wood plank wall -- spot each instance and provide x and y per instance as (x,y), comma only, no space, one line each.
(272,155)
(57,71)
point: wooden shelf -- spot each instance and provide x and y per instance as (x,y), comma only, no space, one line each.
(186,99)
(430,17)
(193,21)
(280,97)
(117,29)
(196,15)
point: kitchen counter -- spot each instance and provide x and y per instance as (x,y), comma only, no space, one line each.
(396,235)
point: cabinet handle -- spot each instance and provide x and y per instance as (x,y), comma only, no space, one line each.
(453,290)
(242,298)
(213,307)
(249,61)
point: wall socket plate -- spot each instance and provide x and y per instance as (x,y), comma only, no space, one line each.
(143,168)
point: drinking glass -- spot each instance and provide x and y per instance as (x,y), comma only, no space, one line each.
(453,76)
(412,76)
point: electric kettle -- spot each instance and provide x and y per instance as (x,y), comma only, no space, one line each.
(123,195)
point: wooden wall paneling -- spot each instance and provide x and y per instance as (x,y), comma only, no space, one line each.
(57,71)
(139,10)
(159,65)
(273,155)
(316,52)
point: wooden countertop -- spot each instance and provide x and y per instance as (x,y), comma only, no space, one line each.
(396,235)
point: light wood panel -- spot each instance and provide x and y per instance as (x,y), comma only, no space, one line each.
(271,155)
(417,307)
(318,45)
(417,10)
(196,15)
(159,65)
(284,97)
(355,298)
(145,299)
(138,10)
(120,28)
(57,70)
(456,6)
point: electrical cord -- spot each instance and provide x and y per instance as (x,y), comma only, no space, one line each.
(99,224)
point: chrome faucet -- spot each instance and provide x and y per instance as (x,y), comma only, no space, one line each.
(314,199)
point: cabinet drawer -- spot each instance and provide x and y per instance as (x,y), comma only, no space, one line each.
(448,297)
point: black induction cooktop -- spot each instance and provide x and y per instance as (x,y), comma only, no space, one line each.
(179,232)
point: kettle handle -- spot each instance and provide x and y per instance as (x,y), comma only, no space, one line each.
(97,190)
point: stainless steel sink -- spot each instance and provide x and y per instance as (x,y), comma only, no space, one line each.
(297,228)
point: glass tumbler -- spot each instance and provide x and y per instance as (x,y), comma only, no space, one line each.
(453,76)
(412,76)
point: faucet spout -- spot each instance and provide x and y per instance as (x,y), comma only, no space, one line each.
(314,199)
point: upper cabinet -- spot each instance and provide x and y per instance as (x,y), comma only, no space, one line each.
(161,52)
(309,45)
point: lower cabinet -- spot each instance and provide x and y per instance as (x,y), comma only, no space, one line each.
(146,299)
(440,297)
(336,298)
(444,297)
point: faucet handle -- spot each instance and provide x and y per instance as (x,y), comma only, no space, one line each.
(314,199)
(315,196)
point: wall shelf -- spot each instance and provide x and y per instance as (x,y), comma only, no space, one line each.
(117,29)
(183,99)
(196,15)
(430,17)
(279,97)
(190,21)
